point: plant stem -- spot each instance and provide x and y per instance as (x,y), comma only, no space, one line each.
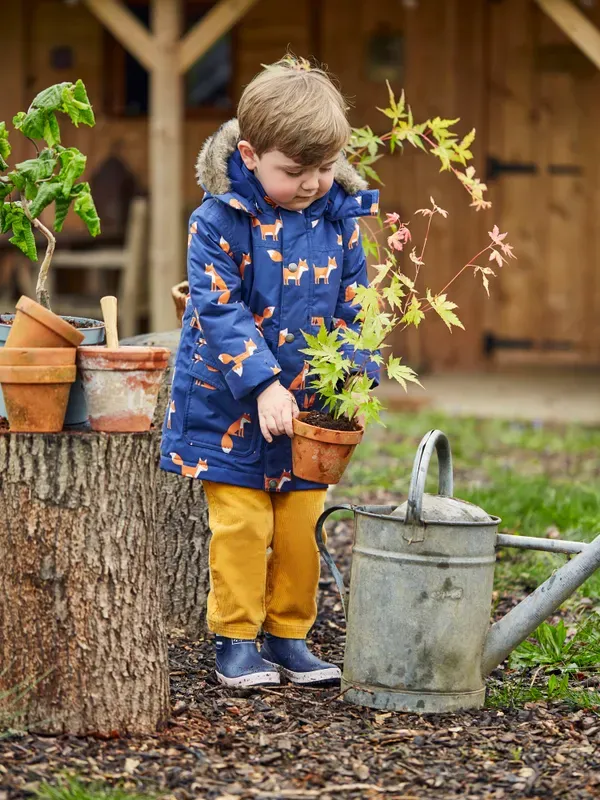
(41,292)
(469,263)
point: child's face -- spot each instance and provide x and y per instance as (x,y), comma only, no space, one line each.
(290,185)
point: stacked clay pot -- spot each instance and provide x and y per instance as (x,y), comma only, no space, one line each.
(37,368)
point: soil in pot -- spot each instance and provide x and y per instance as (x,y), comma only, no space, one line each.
(82,323)
(121,385)
(320,454)
(320,419)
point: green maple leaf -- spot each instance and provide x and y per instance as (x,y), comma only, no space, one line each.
(444,308)
(401,373)
(413,314)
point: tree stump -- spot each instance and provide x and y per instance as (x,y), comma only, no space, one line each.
(182,523)
(81,622)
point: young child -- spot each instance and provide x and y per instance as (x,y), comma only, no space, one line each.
(273,250)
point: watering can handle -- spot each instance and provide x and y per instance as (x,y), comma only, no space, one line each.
(432,440)
(327,555)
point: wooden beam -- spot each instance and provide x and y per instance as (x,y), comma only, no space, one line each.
(575,25)
(167,231)
(126,28)
(221,18)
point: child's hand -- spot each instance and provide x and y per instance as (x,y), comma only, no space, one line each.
(276,409)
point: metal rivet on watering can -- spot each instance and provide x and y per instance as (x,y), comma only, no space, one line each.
(419,603)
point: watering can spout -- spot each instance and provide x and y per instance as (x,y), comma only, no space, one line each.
(522,620)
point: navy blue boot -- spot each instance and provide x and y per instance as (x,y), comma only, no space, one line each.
(298,664)
(239,664)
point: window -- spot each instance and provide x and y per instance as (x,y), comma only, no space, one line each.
(207,84)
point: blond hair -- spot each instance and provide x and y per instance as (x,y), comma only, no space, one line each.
(295,108)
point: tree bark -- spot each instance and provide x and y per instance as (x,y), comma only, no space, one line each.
(81,622)
(182,523)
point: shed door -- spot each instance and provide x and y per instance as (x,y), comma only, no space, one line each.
(543,172)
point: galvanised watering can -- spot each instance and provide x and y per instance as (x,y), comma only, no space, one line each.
(418,608)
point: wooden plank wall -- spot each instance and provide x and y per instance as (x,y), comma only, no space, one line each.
(543,109)
(464,58)
(445,76)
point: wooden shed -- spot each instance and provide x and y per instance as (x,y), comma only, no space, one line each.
(164,74)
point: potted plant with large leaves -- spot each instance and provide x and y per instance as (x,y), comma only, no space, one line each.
(343,360)
(50,178)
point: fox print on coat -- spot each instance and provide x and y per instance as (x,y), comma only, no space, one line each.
(259,276)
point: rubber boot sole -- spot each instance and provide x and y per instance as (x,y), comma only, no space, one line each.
(251,679)
(329,675)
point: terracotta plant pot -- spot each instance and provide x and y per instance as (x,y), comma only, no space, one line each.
(36,383)
(35,326)
(180,295)
(320,454)
(121,385)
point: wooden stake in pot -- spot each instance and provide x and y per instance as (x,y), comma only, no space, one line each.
(109,312)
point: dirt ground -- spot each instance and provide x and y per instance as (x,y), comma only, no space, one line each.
(307,743)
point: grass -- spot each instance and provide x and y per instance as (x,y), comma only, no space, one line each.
(70,788)
(541,480)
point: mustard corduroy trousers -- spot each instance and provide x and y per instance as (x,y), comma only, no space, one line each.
(249,587)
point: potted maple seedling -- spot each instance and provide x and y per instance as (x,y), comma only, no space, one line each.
(343,361)
(37,359)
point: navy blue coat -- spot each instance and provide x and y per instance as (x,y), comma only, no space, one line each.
(258,276)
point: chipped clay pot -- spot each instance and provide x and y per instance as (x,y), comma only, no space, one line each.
(121,385)
(36,326)
(36,382)
(319,454)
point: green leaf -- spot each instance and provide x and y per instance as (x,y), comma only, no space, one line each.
(76,104)
(72,167)
(444,308)
(86,112)
(15,219)
(61,209)
(50,99)
(4,146)
(413,315)
(17,180)
(85,209)
(370,173)
(400,373)
(6,187)
(51,129)
(47,193)
(31,124)
(38,169)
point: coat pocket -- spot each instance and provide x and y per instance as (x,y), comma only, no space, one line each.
(214,419)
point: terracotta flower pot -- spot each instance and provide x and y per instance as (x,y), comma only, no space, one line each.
(121,385)
(180,295)
(320,454)
(36,383)
(35,326)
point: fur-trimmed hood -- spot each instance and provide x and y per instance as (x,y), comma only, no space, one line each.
(212,166)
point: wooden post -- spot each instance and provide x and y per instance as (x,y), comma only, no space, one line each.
(167,57)
(575,25)
(166,143)
(81,620)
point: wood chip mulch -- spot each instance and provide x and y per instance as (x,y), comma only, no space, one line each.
(307,743)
